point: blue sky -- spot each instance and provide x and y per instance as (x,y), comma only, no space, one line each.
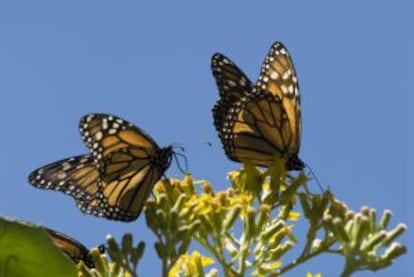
(149,62)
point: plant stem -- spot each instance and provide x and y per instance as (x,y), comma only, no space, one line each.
(348,268)
(304,257)
(219,256)
(164,258)
(309,239)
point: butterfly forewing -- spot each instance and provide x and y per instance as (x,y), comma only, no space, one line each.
(231,81)
(278,76)
(76,176)
(104,134)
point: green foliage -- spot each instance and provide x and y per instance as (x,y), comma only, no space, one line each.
(25,249)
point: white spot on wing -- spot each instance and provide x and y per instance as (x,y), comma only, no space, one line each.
(284,89)
(290,88)
(66,166)
(242,82)
(287,74)
(231,83)
(83,160)
(62,175)
(104,124)
(274,75)
(98,136)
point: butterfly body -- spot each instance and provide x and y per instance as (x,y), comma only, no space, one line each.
(162,159)
(259,123)
(117,177)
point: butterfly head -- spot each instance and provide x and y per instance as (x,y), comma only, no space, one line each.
(87,257)
(294,163)
(163,158)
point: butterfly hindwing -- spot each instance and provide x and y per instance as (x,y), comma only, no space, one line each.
(76,176)
(126,183)
(257,129)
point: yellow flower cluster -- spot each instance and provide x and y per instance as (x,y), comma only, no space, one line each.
(248,228)
(247,222)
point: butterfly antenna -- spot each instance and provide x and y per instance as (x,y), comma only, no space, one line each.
(315,178)
(176,155)
(179,146)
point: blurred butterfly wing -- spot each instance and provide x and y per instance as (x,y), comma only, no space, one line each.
(258,130)
(76,176)
(72,248)
(128,162)
(278,76)
(232,84)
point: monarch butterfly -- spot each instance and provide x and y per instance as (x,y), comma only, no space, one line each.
(116,178)
(72,248)
(260,122)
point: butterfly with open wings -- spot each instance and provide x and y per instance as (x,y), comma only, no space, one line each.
(117,177)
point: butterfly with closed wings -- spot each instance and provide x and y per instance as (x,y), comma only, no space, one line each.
(259,123)
(117,177)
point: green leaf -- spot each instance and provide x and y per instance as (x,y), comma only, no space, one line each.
(27,250)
